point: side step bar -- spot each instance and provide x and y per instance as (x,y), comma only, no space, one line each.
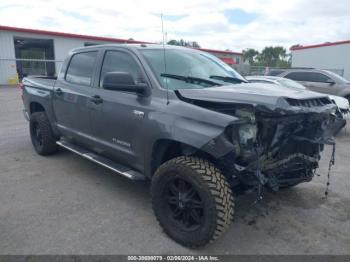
(118,168)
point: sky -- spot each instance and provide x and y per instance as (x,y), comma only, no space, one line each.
(218,24)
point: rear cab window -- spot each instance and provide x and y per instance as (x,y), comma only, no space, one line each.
(81,68)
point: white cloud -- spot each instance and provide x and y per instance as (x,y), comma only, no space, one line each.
(278,22)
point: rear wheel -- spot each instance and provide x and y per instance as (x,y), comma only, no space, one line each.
(41,134)
(192,200)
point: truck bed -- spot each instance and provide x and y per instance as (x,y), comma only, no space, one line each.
(41,82)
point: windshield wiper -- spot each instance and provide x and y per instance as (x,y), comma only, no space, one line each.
(229,79)
(191,79)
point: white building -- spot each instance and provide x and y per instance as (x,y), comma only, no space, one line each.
(334,56)
(38,52)
(45,49)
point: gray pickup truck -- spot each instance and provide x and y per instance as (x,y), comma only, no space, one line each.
(184,120)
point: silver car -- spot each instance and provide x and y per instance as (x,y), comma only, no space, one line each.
(341,102)
(323,81)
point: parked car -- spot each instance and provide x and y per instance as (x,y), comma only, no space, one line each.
(185,120)
(323,81)
(341,102)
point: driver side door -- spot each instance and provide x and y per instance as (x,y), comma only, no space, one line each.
(117,121)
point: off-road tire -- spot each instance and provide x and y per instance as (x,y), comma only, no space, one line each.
(47,144)
(210,184)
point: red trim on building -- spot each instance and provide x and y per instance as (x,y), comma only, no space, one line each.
(96,38)
(69,35)
(228,60)
(320,45)
(219,51)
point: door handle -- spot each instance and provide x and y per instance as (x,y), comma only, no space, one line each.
(96,99)
(139,114)
(58,91)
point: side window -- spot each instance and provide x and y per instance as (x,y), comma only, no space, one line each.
(81,67)
(318,77)
(298,76)
(116,61)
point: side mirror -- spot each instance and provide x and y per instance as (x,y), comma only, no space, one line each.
(330,81)
(122,81)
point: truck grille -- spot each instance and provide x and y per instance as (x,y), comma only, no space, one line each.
(309,102)
(345,113)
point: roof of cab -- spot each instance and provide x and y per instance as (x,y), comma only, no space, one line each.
(135,46)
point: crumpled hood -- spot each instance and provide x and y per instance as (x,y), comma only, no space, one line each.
(250,93)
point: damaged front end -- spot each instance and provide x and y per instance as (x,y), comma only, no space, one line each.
(287,146)
(274,146)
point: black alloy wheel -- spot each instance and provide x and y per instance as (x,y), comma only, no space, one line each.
(185,205)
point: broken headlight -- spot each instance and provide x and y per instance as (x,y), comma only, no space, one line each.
(247,132)
(246,114)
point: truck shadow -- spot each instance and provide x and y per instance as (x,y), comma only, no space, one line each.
(279,215)
(107,179)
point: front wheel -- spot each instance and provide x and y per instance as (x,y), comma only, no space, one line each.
(192,200)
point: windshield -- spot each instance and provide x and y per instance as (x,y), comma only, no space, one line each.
(338,78)
(290,83)
(188,64)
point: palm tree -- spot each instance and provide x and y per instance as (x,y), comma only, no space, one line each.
(270,56)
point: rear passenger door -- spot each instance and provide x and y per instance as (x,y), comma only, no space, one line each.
(72,97)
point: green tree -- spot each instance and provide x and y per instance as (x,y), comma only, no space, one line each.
(250,55)
(182,42)
(283,64)
(195,44)
(173,42)
(272,56)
